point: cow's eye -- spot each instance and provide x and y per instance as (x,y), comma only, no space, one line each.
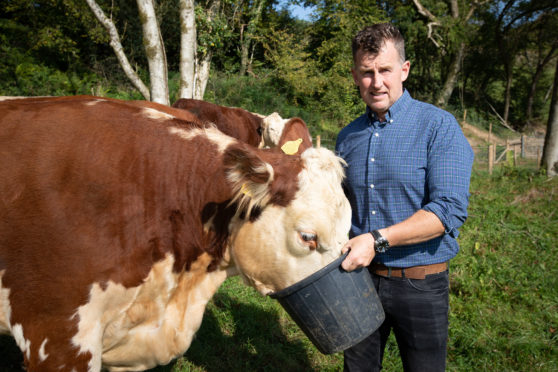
(309,238)
(259,130)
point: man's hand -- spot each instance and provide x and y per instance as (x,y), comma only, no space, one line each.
(361,254)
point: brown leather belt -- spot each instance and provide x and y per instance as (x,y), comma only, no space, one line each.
(415,272)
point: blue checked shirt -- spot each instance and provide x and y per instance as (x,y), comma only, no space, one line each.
(417,159)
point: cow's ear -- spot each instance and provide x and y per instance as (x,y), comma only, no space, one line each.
(250,177)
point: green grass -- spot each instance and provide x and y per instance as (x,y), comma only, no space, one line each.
(504,295)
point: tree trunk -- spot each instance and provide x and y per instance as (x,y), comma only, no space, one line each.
(202,76)
(155,52)
(550,150)
(118,50)
(535,80)
(451,78)
(248,36)
(509,78)
(187,49)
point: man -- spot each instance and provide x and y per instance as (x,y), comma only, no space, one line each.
(408,172)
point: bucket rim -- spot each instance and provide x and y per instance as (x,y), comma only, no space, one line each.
(309,279)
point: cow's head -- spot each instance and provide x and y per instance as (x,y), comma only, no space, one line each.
(272,126)
(303,216)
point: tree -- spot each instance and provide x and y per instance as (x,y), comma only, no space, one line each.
(545,45)
(155,52)
(187,49)
(511,28)
(452,41)
(550,150)
(116,45)
(195,57)
(247,34)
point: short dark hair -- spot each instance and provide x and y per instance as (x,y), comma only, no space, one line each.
(372,38)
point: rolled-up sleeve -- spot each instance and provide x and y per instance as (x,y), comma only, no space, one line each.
(450,162)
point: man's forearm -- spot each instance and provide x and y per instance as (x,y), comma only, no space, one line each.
(420,227)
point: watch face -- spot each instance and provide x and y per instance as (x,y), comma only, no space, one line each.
(381,245)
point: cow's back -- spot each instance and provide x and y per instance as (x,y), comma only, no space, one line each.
(232,121)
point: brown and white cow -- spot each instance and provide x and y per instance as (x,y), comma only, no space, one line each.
(119,221)
(255,129)
(232,121)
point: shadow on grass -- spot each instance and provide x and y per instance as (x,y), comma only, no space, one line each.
(256,343)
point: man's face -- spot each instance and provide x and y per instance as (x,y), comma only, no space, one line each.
(380,78)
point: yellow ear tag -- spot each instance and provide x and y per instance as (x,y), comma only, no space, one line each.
(244,190)
(291,147)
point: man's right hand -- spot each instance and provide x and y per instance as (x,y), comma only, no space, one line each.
(361,252)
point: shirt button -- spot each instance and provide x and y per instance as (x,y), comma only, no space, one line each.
(391,120)
(376,134)
(372,159)
(372,186)
(373,212)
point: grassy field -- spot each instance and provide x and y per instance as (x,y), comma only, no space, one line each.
(504,297)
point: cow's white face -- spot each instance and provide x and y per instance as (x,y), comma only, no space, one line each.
(286,244)
(272,129)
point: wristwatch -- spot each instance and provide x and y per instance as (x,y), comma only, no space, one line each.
(381,244)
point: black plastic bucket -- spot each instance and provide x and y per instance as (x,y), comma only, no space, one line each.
(336,309)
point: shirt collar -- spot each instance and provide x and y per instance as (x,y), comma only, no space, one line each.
(398,107)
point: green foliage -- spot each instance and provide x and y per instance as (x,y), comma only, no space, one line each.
(211,32)
(293,67)
(37,80)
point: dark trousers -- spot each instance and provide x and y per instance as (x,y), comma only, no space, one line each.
(417,311)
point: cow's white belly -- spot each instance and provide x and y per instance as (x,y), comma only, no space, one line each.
(138,328)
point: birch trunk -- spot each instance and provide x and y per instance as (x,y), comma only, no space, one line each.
(155,52)
(188,46)
(118,50)
(202,76)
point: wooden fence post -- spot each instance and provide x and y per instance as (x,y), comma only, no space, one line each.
(489,132)
(523,146)
(318,140)
(490,158)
